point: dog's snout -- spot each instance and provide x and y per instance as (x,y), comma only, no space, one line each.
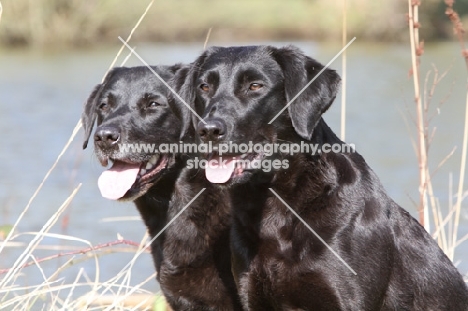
(211,129)
(107,136)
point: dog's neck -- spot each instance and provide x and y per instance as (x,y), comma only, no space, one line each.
(153,207)
(160,194)
(320,170)
(254,201)
(299,163)
(209,212)
(198,239)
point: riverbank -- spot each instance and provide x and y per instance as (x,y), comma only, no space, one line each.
(84,23)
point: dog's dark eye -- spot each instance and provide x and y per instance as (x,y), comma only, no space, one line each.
(205,87)
(255,86)
(103,106)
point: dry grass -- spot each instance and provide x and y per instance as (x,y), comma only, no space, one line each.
(446,220)
(116,293)
(459,32)
(52,293)
(416,52)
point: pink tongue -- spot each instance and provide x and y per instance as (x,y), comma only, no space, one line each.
(116,181)
(218,172)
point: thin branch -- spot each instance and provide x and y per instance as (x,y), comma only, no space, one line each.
(129,37)
(416,52)
(207,38)
(459,31)
(77,252)
(441,163)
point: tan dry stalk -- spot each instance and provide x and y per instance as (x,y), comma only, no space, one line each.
(121,298)
(137,301)
(75,131)
(459,31)
(462,177)
(18,265)
(129,37)
(25,301)
(422,151)
(207,38)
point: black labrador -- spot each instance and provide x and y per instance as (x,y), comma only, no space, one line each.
(389,261)
(192,255)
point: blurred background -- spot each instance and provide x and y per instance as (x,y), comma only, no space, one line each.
(53,52)
(75,23)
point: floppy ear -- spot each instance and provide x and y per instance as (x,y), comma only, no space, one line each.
(176,67)
(185,85)
(88,117)
(178,107)
(298,69)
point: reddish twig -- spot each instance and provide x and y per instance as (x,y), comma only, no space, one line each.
(457,27)
(77,252)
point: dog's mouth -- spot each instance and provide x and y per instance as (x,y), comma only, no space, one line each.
(124,180)
(221,169)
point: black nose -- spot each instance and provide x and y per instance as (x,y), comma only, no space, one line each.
(211,130)
(106,136)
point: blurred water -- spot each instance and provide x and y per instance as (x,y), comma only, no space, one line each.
(41,96)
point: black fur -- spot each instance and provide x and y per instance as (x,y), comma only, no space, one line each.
(278,263)
(192,256)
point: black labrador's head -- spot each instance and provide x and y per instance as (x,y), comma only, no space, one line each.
(240,92)
(133,117)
